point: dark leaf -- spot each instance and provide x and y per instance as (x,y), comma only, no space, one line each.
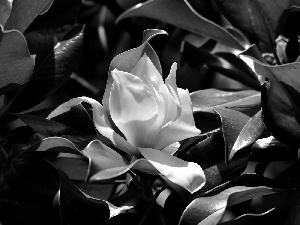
(61,13)
(16,63)
(181,14)
(225,63)
(46,127)
(250,180)
(232,124)
(24,12)
(208,99)
(48,76)
(76,118)
(280,98)
(260,20)
(293,217)
(249,134)
(41,182)
(210,155)
(273,216)
(270,149)
(210,209)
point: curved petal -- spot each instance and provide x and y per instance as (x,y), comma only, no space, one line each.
(150,76)
(180,129)
(188,175)
(172,104)
(102,157)
(133,108)
(140,164)
(99,121)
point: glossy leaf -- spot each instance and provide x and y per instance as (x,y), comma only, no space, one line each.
(232,124)
(48,76)
(269,149)
(274,216)
(227,64)
(210,210)
(249,134)
(260,20)
(181,14)
(210,155)
(280,98)
(24,12)
(16,63)
(208,99)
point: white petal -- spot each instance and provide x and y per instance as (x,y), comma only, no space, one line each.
(188,175)
(180,129)
(173,108)
(133,108)
(101,126)
(150,76)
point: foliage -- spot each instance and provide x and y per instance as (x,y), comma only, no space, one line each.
(138,157)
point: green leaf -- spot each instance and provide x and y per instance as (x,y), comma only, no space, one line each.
(258,19)
(60,14)
(233,123)
(180,14)
(48,76)
(5,9)
(269,149)
(24,12)
(280,98)
(210,210)
(208,99)
(210,155)
(273,216)
(46,127)
(76,113)
(249,134)
(16,63)
(225,63)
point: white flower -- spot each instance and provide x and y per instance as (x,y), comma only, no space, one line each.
(150,114)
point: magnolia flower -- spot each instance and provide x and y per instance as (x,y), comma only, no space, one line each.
(146,115)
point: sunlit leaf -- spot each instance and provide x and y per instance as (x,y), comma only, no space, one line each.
(250,133)
(208,99)
(16,63)
(210,210)
(232,124)
(24,12)
(180,14)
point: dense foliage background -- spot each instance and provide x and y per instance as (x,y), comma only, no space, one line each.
(238,58)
